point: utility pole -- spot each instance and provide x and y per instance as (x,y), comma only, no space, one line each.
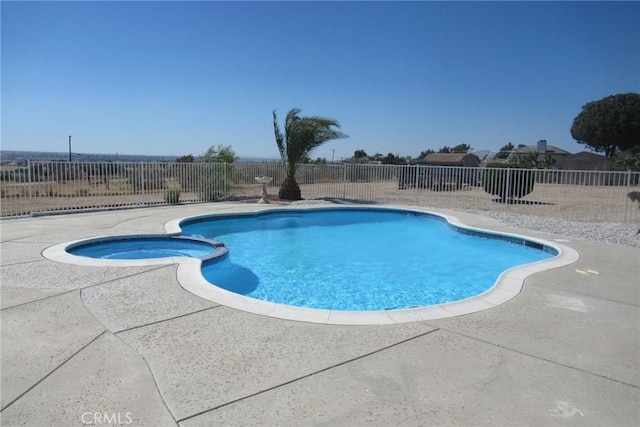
(69,148)
(333,151)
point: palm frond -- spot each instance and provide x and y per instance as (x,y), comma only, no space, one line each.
(302,135)
(280,140)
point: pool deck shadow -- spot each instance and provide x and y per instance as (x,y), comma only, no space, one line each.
(128,345)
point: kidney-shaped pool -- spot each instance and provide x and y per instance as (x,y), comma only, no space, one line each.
(331,264)
(357,259)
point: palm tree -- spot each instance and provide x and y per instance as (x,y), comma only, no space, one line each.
(301,136)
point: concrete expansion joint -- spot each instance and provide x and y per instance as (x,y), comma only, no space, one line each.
(309,375)
(115,279)
(33,261)
(165,320)
(39,300)
(53,370)
(153,377)
(502,347)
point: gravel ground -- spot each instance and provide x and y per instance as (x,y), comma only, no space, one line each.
(608,232)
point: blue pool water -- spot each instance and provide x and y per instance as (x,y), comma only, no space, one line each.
(143,248)
(356,259)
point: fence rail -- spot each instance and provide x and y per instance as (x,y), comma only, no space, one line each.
(42,188)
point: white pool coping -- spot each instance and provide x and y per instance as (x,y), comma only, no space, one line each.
(508,285)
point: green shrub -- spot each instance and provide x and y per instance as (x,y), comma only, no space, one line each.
(507,180)
(172,196)
(215,182)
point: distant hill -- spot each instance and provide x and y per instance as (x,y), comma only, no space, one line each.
(8,156)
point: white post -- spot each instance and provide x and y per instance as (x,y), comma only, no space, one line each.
(626,199)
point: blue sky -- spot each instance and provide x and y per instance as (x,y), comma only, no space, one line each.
(174,78)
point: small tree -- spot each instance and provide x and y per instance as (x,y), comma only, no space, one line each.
(610,124)
(172,196)
(219,154)
(300,137)
(505,150)
(390,159)
(185,159)
(509,147)
(623,161)
(461,148)
(425,153)
(217,174)
(359,154)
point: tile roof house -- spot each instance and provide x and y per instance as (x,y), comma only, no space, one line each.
(586,161)
(442,178)
(543,151)
(582,169)
(451,159)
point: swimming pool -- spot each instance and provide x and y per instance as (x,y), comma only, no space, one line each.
(191,271)
(357,259)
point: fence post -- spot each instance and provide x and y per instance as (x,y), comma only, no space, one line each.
(416,186)
(626,199)
(508,186)
(142,183)
(30,188)
(344,180)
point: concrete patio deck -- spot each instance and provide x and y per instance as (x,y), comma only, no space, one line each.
(87,345)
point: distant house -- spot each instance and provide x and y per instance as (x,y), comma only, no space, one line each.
(483,155)
(586,161)
(543,151)
(584,167)
(441,179)
(451,159)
